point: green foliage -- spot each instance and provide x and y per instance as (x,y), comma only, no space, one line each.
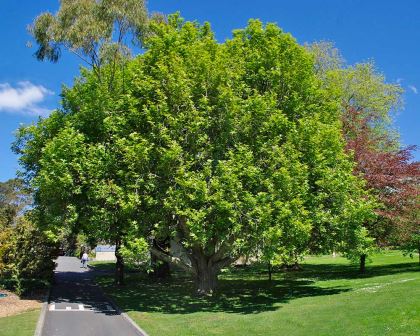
(136,253)
(220,145)
(363,88)
(25,252)
(34,256)
(6,252)
(13,199)
(369,104)
(94,30)
(408,231)
(27,257)
(326,57)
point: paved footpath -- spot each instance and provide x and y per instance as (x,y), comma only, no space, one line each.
(78,307)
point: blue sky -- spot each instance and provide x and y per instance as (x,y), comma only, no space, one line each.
(386,31)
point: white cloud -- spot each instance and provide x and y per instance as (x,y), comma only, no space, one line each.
(24,98)
(413,88)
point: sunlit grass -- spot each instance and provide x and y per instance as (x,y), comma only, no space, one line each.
(329,297)
(23,324)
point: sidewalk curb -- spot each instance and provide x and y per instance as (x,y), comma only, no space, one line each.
(41,318)
(124,315)
(118,309)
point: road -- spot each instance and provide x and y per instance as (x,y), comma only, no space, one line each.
(77,306)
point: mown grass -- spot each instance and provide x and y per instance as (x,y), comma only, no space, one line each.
(23,324)
(328,297)
(108,266)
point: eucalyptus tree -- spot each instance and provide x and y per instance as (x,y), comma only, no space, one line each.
(98,32)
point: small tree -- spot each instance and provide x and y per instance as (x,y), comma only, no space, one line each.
(136,253)
(407,234)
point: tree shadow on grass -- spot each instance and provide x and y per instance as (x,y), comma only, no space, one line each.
(245,291)
(176,296)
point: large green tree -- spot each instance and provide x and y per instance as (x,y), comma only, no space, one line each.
(245,144)
(218,145)
(104,35)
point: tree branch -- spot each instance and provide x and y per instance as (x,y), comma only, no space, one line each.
(173,260)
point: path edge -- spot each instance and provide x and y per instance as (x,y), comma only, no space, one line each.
(41,318)
(123,314)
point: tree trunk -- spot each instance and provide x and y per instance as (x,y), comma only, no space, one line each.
(119,266)
(206,281)
(206,268)
(160,267)
(270,271)
(362,263)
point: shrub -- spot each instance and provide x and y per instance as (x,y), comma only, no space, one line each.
(26,257)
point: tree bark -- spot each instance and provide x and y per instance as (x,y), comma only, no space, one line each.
(206,274)
(206,281)
(173,260)
(362,263)
(119,265)
(207,269)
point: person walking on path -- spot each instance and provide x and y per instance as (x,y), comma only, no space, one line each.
(84,260)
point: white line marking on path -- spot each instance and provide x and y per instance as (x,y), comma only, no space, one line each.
(82,308)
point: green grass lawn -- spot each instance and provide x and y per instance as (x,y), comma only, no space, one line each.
(102,265)
(19,325)
(108,266)
(329,297)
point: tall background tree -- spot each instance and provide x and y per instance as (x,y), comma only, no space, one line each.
(103,34)
(98,32)
(368,106)
(14,197)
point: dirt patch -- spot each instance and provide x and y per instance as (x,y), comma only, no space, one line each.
(12,304)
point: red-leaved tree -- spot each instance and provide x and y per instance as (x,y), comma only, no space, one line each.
(392,177)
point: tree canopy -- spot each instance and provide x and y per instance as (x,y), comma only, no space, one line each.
(225,147)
